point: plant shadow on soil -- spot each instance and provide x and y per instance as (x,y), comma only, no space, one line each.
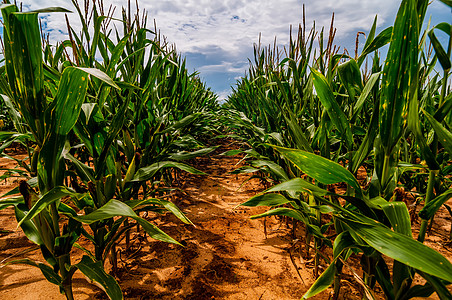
(225,255)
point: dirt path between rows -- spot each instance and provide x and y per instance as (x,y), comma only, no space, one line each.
(226,255)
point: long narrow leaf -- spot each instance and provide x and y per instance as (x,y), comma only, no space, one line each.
(95,272)
(444,136)
(432,207)
(148,172)
(333,109)
(400,247)
(50,197)
(319,168)
(114,208)
(399,75)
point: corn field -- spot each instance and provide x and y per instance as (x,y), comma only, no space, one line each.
(111,118)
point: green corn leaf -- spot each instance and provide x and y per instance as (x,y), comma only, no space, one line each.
(7,10)
(423,291)
(299,137)
(155,232)
(266,200)
(298,185)
(367,144)
(297,215)
(444,135)
(117,53)
(232,152)
(98,143)
(182,123)
(335,113)
(9,137)
(170,206)
(25,261)
(245,170)
(432,207)
(66,209)
(136,203)
(148,172)
(24,65)
(59,51)
(382,39)
(445,27)
(111,209)
(100,75)
(95,272)
(97,32)
(110,186)
(443,58)
(342,242)
(421,10)
(5,203)
(364,94)
(130,170)
(46,270)
(25,31)
(116,125)
(439,286)
(272,167)
(284,211)
(384,278)
(399,80)
(28,227)
(114,208)
(371,35)
(6,4)
(323,282)
(398,215)
(86,173)
(415,127)
(298,73)
(445,108)
(129,147)
(129,57)
(184,155)
(33,182)
(320,168)
(350,76)
(63,114)
(48,198)
(50,274)
(400,247)
(68,102)
(13,114)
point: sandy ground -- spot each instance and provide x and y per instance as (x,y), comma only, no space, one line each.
(226,255)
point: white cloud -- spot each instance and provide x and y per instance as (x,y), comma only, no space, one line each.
(234,25)
(223,95)
(223,31)
(224,66)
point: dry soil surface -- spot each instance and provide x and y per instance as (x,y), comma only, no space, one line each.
(226,255)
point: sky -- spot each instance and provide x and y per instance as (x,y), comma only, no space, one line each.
(217,36)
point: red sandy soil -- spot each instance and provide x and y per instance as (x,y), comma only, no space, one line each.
(226,255)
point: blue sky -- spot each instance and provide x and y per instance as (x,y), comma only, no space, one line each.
(217,37)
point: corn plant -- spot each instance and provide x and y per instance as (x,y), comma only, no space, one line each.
(301,120)
(49,124)
(87,121)
(390,129)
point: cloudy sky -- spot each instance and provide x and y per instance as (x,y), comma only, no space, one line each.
(217,36)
